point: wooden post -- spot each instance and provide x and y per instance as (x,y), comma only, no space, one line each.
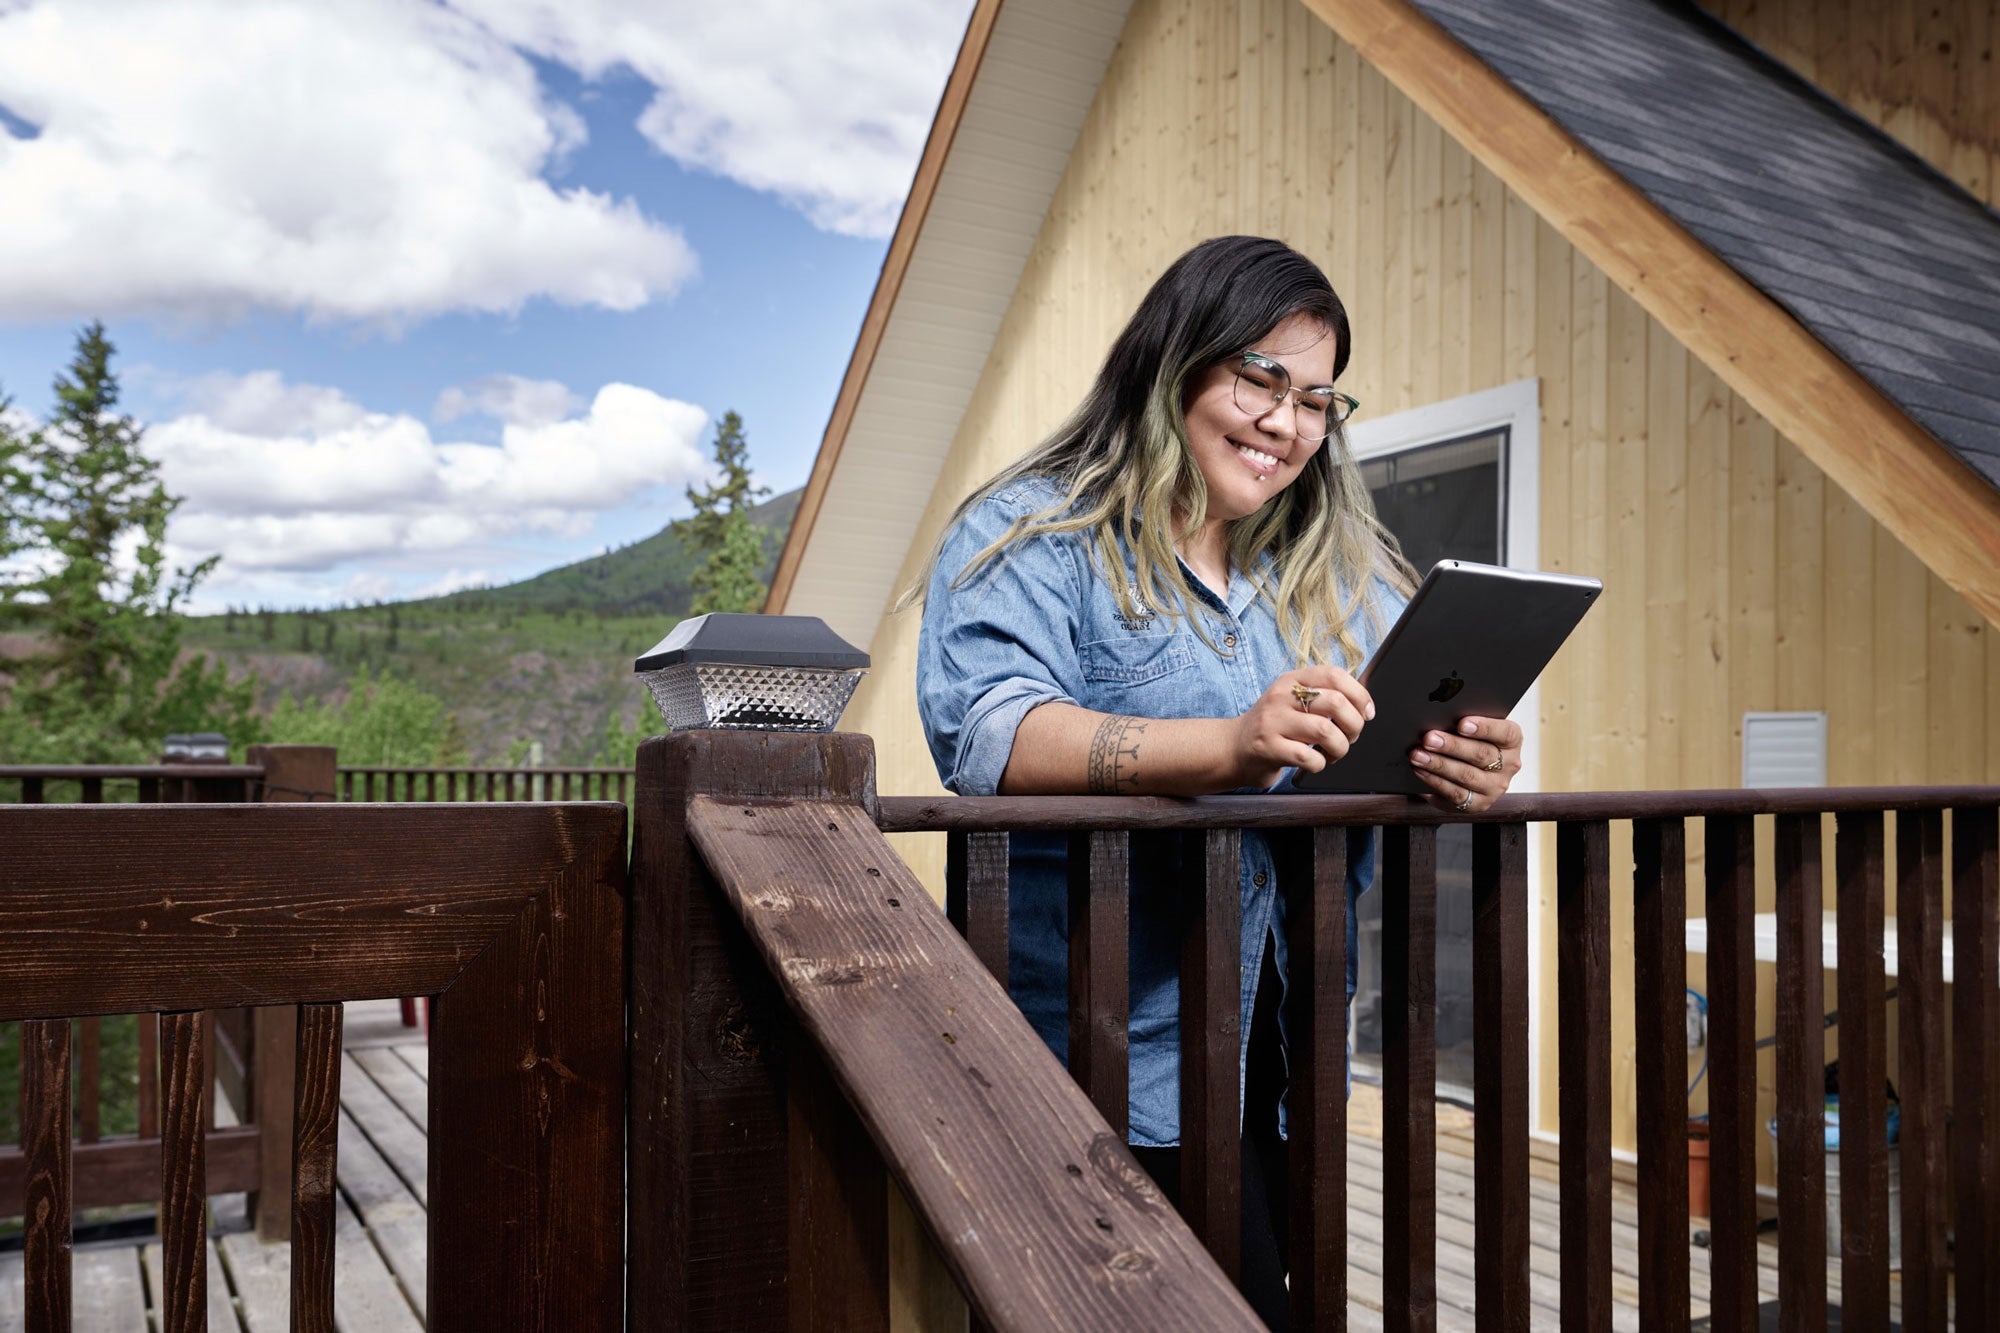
(716,1151)
(291,773)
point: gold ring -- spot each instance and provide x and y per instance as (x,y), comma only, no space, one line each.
(1305,697)
(1465,804)
(1494,767)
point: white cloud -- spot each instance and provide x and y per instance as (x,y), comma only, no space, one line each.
(455,580)
(508,398)
(374,160)
(348,484)
(824,105)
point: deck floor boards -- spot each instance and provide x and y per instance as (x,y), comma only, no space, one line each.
(381,1250)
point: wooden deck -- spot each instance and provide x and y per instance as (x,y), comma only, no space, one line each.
(381,1237)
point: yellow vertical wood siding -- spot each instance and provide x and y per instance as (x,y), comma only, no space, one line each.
(1737,577)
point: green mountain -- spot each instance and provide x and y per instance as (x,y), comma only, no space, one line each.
(548,659)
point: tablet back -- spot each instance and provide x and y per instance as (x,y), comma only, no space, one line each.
(1470,643)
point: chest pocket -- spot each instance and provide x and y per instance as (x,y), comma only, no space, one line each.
(1136,660)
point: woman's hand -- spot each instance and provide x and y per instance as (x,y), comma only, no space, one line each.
(1471,770)
(1306,720)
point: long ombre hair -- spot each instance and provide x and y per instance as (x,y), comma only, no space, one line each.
(1123,462)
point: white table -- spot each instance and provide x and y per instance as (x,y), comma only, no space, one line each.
(1766,933)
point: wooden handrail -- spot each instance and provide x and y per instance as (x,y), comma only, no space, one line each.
(1021,814)
(1035,1204)
(127,772)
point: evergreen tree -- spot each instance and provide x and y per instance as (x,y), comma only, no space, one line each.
(87,511)
(721,530)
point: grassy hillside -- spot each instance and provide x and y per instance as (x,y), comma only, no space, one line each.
(547,659)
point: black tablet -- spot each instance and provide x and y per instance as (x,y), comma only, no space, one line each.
(1469,644)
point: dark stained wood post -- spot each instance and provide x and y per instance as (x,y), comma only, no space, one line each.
(1583,989)
(1732,1071)
(1312,871)
(45,1131)
(1211,1042)
(1659,912)
(292,773)
(316,1113)
(975,895)
(1099,994)
(710,1135)
(1801,1079)
(1500,1074)
(1975,997)
(1920,1065)
(1864,1142)
(1409,1077)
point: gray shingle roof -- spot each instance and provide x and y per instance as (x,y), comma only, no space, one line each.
(1888,263)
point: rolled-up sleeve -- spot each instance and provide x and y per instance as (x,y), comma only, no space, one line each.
(995,647)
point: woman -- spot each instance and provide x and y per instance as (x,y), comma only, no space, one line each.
(1167,596)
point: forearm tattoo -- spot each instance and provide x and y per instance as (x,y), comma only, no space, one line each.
(1114,756)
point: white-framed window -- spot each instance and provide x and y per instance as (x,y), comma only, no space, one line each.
(1456,480)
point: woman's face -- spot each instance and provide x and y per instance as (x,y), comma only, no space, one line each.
(1247,459)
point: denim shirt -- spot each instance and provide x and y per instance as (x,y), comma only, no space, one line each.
(1039,625)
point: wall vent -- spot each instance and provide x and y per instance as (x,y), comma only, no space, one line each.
(1784,749)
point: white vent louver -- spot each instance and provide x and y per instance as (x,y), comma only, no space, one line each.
(1784,749)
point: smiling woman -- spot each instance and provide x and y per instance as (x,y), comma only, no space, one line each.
(1168,596)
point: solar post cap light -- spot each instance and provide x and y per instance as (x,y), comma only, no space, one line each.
(752,673)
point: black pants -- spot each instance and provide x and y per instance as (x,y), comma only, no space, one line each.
(1266,1191)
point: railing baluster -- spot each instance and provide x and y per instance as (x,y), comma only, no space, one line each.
(1312,871)
(1864,1150)
(1583,982)
(1975,997)
(89,1123)
(93,791)
(1730,849)
(184,1174)
(208,1066)
(1801,1079)
(1409,1077)
(315,1140)
(149,1075)
(1920,1064)
(1211,1043)
(1500,1074)
(975,894)
(1099,940)
(431,785)
(149,791)
(45,1138)
(31,791)
(1659,916)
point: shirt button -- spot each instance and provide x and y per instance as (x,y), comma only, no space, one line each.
(1229,641)
(1258,879)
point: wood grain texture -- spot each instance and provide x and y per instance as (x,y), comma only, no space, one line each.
(1038,1209)
(1099,869)
(127,1170)
(1409,1076)
(1864,1152)
(1212,1041)
(839,1207)
(274,1036)
(315,1163)
(1920,1067)
(1801,1082)
(975,896)
(1500,1071)
(183,1299)
(1659,918)
(1933,502)
(1732,1070)
(1312,873)
(1583,947)
(709,1123)
(528,1069)
(45,1139)
(120,909)
(1975,1064)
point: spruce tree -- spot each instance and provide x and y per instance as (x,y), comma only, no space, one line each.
(720,529)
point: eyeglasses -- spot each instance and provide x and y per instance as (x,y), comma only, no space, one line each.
(1262,385)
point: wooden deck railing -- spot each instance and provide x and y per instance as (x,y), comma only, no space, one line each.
(247,1052)
(511,916)
(484,784)
(1311,849)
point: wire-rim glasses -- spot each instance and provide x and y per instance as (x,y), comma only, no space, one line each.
(1262,386)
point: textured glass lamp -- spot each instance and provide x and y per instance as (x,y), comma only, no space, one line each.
(752,673)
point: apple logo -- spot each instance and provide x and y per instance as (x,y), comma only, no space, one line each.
(1447,689)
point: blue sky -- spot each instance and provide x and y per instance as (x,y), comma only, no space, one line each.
(449,294)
